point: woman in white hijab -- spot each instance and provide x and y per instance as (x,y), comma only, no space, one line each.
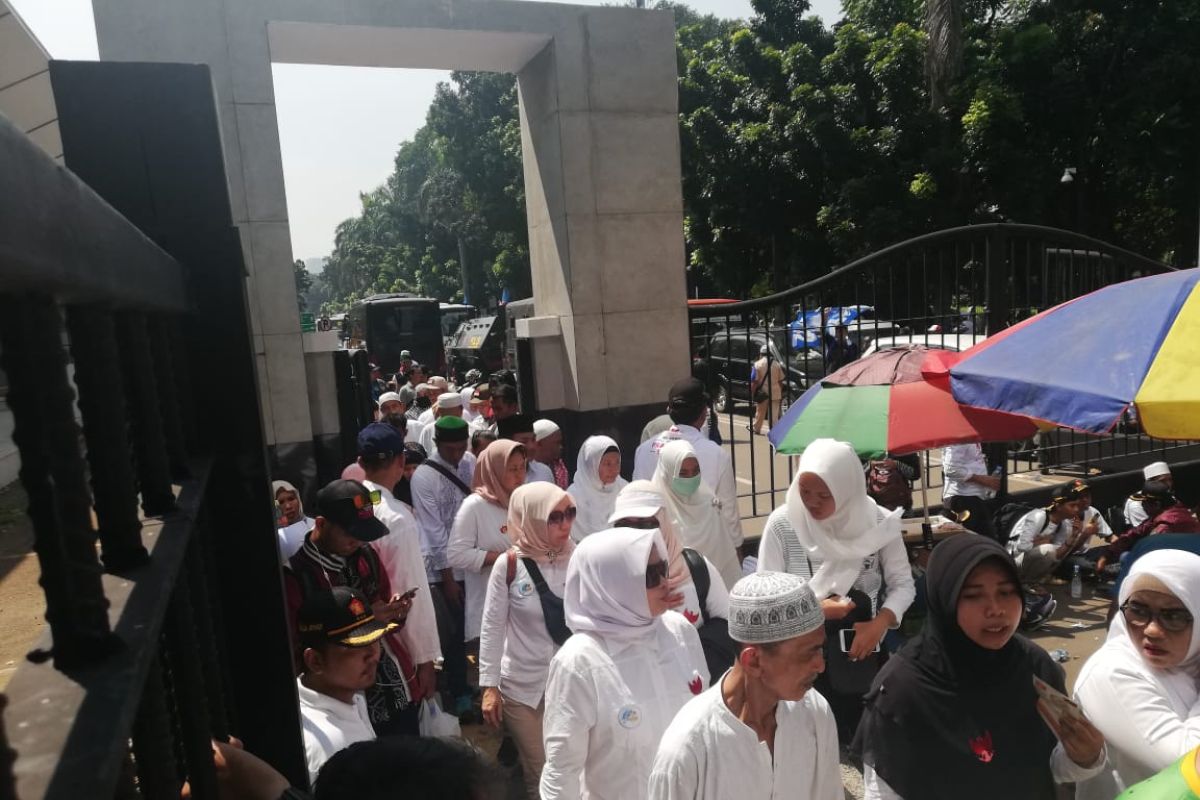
(620,679)
(597,482)
(1140,687)
(832,533)
(293,524)
(694,510)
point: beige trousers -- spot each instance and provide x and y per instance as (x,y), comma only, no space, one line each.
(525,726)
(775,401)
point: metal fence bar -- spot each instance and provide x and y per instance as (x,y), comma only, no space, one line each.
(149,439)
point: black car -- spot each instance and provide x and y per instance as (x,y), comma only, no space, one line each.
(730,357)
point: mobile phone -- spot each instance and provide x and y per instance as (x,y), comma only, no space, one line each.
(407,595)
(1058,706)
(846,635)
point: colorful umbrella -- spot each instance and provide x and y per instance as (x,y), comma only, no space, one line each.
(900,402)
(1083,363)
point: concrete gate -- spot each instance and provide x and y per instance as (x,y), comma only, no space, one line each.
(599,125)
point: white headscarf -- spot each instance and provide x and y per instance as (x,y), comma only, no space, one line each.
(594,500)
(1179,571)
(606,585)
(856,529)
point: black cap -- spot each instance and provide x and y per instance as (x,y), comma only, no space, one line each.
(1077,488)
(1063,493)
(414,454)
(348,505)
(339,615)
(688,393)
(1156,492)
(517,423)
(381,441)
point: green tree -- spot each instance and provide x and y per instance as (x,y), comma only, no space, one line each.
(304,284)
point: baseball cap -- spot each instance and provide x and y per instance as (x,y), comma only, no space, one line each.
(405,355)
(688,393)
(349,504)
(339,615)
(636,504)
(380,440)
(1157,491)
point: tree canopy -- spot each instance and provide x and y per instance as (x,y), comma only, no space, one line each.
(805,146)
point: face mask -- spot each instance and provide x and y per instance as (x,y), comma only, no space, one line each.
(424,402)
(686,486)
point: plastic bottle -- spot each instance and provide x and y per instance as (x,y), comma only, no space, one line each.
(1076,584)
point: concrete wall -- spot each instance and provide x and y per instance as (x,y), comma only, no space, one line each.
(598,103)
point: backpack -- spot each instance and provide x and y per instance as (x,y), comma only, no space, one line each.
(1006,517)
(720,651)
(887,486)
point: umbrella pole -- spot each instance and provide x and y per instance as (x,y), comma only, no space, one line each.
(926,527)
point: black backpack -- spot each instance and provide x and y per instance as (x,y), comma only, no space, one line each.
(720,651)
(1006,518)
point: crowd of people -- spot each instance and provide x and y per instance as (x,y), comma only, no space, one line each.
(628,649)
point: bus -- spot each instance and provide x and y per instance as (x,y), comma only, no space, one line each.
(386,324)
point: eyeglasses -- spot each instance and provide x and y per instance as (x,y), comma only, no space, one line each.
(559,517)
(1171,620)
(656,573)
(638,523)
(374,497)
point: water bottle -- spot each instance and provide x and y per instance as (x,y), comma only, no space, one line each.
(1076,584)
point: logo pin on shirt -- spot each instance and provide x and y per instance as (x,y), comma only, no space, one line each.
(697,683)
(981,746)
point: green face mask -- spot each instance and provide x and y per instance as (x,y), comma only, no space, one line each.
(686,486)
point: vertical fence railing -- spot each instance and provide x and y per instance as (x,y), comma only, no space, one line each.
(947,289)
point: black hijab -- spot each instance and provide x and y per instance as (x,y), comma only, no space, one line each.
(947,718)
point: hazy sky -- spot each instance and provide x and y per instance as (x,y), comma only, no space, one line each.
(339,127)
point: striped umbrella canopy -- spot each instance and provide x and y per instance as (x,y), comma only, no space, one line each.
(894,401)
(1083,363)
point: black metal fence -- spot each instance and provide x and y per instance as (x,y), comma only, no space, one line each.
(149,517)
(947,289)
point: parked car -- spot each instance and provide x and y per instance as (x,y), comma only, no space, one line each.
(935,341)
(861,326)
(731,354)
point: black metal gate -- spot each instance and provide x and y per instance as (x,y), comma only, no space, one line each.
(173,630)
(945,289)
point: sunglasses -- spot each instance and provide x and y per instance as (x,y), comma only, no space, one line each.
(656,573)
(371,498)
(1172,620)
(559,517)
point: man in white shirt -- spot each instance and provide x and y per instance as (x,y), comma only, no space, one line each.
(967,487)
(439,487)
(688,407)
(1045,536)
(340,637)
(448,404)
(1158,471)
(435,387)
(381,455)
(549,451)
(761,731)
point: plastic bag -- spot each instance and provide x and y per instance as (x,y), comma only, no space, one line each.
(433,721)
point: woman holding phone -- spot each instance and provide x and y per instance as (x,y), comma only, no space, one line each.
(1140,686)
(956,713)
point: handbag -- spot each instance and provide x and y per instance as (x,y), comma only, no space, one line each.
(720,650)
(552,604)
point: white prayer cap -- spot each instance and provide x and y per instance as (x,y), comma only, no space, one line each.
(450,400)
(636,504)
(438,381)
(772,607)
(388,397)
(422,388)
(543,428)
(1155,470)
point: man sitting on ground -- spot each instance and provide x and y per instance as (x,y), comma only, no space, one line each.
(1159,471)
(761,727)
(1045,536)
(1165,514)
(339,637)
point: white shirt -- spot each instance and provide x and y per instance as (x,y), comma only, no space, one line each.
(716,470)
(1037,525)
(959,463)
(480,527)
(708,753)
(515,648)
(607,706)
(1134,513)
(400,554)
(1102,528)
(292,536)
(426,416)
(330,726)
(780,551)
(436,501)
(425,437)
(1145,727)
(537,471)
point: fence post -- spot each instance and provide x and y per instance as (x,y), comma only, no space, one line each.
(149,440)
(999,280)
